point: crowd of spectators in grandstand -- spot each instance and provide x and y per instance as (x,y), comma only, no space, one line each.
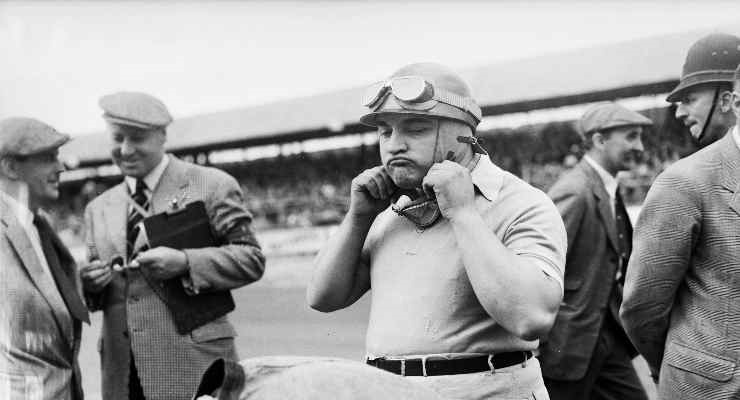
(311,189)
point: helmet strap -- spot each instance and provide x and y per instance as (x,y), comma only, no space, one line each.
(423,211)
(436,142)
(710,115)
(474,142)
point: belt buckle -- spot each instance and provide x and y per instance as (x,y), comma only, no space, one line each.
(403,367)
(424,366)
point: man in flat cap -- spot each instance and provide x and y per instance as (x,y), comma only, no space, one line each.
(587,354)
(681,306)
(465,260)
(703,97)
(165,311)
(41,311)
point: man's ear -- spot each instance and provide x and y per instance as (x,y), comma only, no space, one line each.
(726,99)
(597,140)
(9,167)
(736,103)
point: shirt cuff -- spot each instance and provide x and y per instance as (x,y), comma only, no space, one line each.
(188,281)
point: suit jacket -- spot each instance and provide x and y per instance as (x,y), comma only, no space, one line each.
(590,273)
(682,292)
(135,319)
(39,339)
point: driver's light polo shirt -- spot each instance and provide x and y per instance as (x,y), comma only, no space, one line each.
(422,300)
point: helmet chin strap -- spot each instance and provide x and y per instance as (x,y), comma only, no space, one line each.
(436,144)
(424,211)
(708,121)
(450,156)
(434,159)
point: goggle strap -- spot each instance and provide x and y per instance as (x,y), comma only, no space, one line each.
(473,141)
(455,100)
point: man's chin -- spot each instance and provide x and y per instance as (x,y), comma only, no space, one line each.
(629,163)
(130,171)
(695,132)
(406,183)
(49,197)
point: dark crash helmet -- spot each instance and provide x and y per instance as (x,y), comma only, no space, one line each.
(712,59)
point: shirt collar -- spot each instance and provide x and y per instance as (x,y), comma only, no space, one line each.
(22,212)
(609,181)
(736,135)
(487,177)
(152,178)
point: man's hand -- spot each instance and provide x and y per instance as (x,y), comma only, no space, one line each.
(452,185)
(162,262)
(95,276)
(371,192)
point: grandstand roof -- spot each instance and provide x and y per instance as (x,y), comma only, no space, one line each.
(644,66)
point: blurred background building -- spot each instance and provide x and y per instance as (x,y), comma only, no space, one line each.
(253,87)
(295,158)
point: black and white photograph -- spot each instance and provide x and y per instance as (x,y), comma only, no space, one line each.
(423,199)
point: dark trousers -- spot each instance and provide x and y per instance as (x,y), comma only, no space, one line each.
(610,374)
(135,392)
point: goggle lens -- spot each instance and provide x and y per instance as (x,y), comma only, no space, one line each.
(410,88)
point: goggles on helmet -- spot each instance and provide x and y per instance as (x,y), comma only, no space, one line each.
(415,93)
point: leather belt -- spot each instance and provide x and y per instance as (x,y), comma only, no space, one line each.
(426,367)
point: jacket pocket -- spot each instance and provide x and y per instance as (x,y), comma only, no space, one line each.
(699,362)
(220,328)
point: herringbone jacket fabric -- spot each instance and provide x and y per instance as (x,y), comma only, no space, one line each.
(681,304)
(590,271)
(136,319)
(39,339)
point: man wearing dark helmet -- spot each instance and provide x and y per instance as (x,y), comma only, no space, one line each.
(681,292)
(703,97)
(465,260)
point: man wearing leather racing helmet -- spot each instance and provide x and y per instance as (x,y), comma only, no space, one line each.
(465,260)
(704,94)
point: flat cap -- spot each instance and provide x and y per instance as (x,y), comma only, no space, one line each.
(20,136)
(135,109)
(608,115)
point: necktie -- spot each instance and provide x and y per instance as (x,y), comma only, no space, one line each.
(63,279)
(134,217)
(624,234)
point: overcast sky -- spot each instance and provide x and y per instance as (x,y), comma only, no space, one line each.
(58,58)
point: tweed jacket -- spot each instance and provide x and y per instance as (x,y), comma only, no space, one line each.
(681,304)
(135,319)
(39,339)
(590,271)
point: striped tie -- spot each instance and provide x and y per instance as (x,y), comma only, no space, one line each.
(134,217)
